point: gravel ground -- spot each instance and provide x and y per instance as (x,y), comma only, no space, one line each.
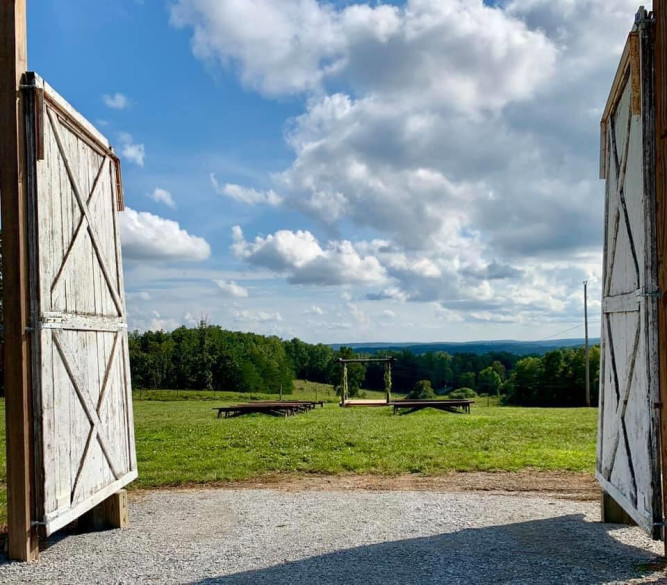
(360,537)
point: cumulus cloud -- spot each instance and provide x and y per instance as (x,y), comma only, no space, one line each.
(460,138)
(230,289)
(247,195)
(116,101)
(299,45)
(145,236)
(161,196)
(129,150)
(300,256)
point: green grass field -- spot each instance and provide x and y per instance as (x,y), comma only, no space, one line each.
(180,441)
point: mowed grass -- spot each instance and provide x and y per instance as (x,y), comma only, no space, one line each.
(180,441)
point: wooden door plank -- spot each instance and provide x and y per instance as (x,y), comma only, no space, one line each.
(623,303)
(650,313)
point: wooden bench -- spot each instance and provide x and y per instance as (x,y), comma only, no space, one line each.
(457,406)
(270,407)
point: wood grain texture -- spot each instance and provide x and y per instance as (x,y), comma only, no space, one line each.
(20,479)
(612,513)
(650,318)
(660,11)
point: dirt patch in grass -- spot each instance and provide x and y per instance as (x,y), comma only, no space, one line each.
(556,484)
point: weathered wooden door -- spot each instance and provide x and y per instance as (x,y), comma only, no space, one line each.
(83,405)
(628,457)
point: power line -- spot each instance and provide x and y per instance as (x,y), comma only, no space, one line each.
(567,330)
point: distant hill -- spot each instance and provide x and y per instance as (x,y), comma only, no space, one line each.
(477,347)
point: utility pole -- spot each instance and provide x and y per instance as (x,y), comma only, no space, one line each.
(588,365)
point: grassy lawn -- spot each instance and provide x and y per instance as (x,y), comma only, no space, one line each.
(180,441)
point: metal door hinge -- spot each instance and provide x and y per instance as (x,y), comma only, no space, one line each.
(654,294)
(53,320)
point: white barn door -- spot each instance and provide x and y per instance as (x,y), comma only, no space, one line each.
(83,405)
(628,461)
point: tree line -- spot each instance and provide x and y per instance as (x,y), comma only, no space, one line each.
(208,357)
(556,379)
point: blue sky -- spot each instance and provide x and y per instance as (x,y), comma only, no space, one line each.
(349,171)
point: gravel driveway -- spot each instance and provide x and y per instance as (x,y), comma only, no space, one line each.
(360,537)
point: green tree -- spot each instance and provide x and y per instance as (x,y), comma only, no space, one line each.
(488,381)
(526,382)
(467,380)
(499,369)
(422,390)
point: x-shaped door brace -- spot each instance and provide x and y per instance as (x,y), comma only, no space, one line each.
(92,411)
(85,217)
(624,395)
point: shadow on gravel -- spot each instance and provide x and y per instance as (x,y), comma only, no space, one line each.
(565,549)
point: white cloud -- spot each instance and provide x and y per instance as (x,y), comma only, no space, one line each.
(161,196)
(300,257)
(315,310)
(154,321)
(247,195)
(245,316)
(116,101)
(299,45)
(359,316)
(460,139)
(146,236)
(230,289)
(128,149)
(279,46)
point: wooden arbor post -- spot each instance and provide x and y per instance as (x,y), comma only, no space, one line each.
(20,445)
(387,379)
(344,389)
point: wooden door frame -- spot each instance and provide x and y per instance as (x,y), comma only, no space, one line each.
(660,14)
(23,541)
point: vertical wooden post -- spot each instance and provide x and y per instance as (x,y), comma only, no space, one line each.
(612,513)
(20,455)
(660,13)
(344,390)
(113,512)
(387,380)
